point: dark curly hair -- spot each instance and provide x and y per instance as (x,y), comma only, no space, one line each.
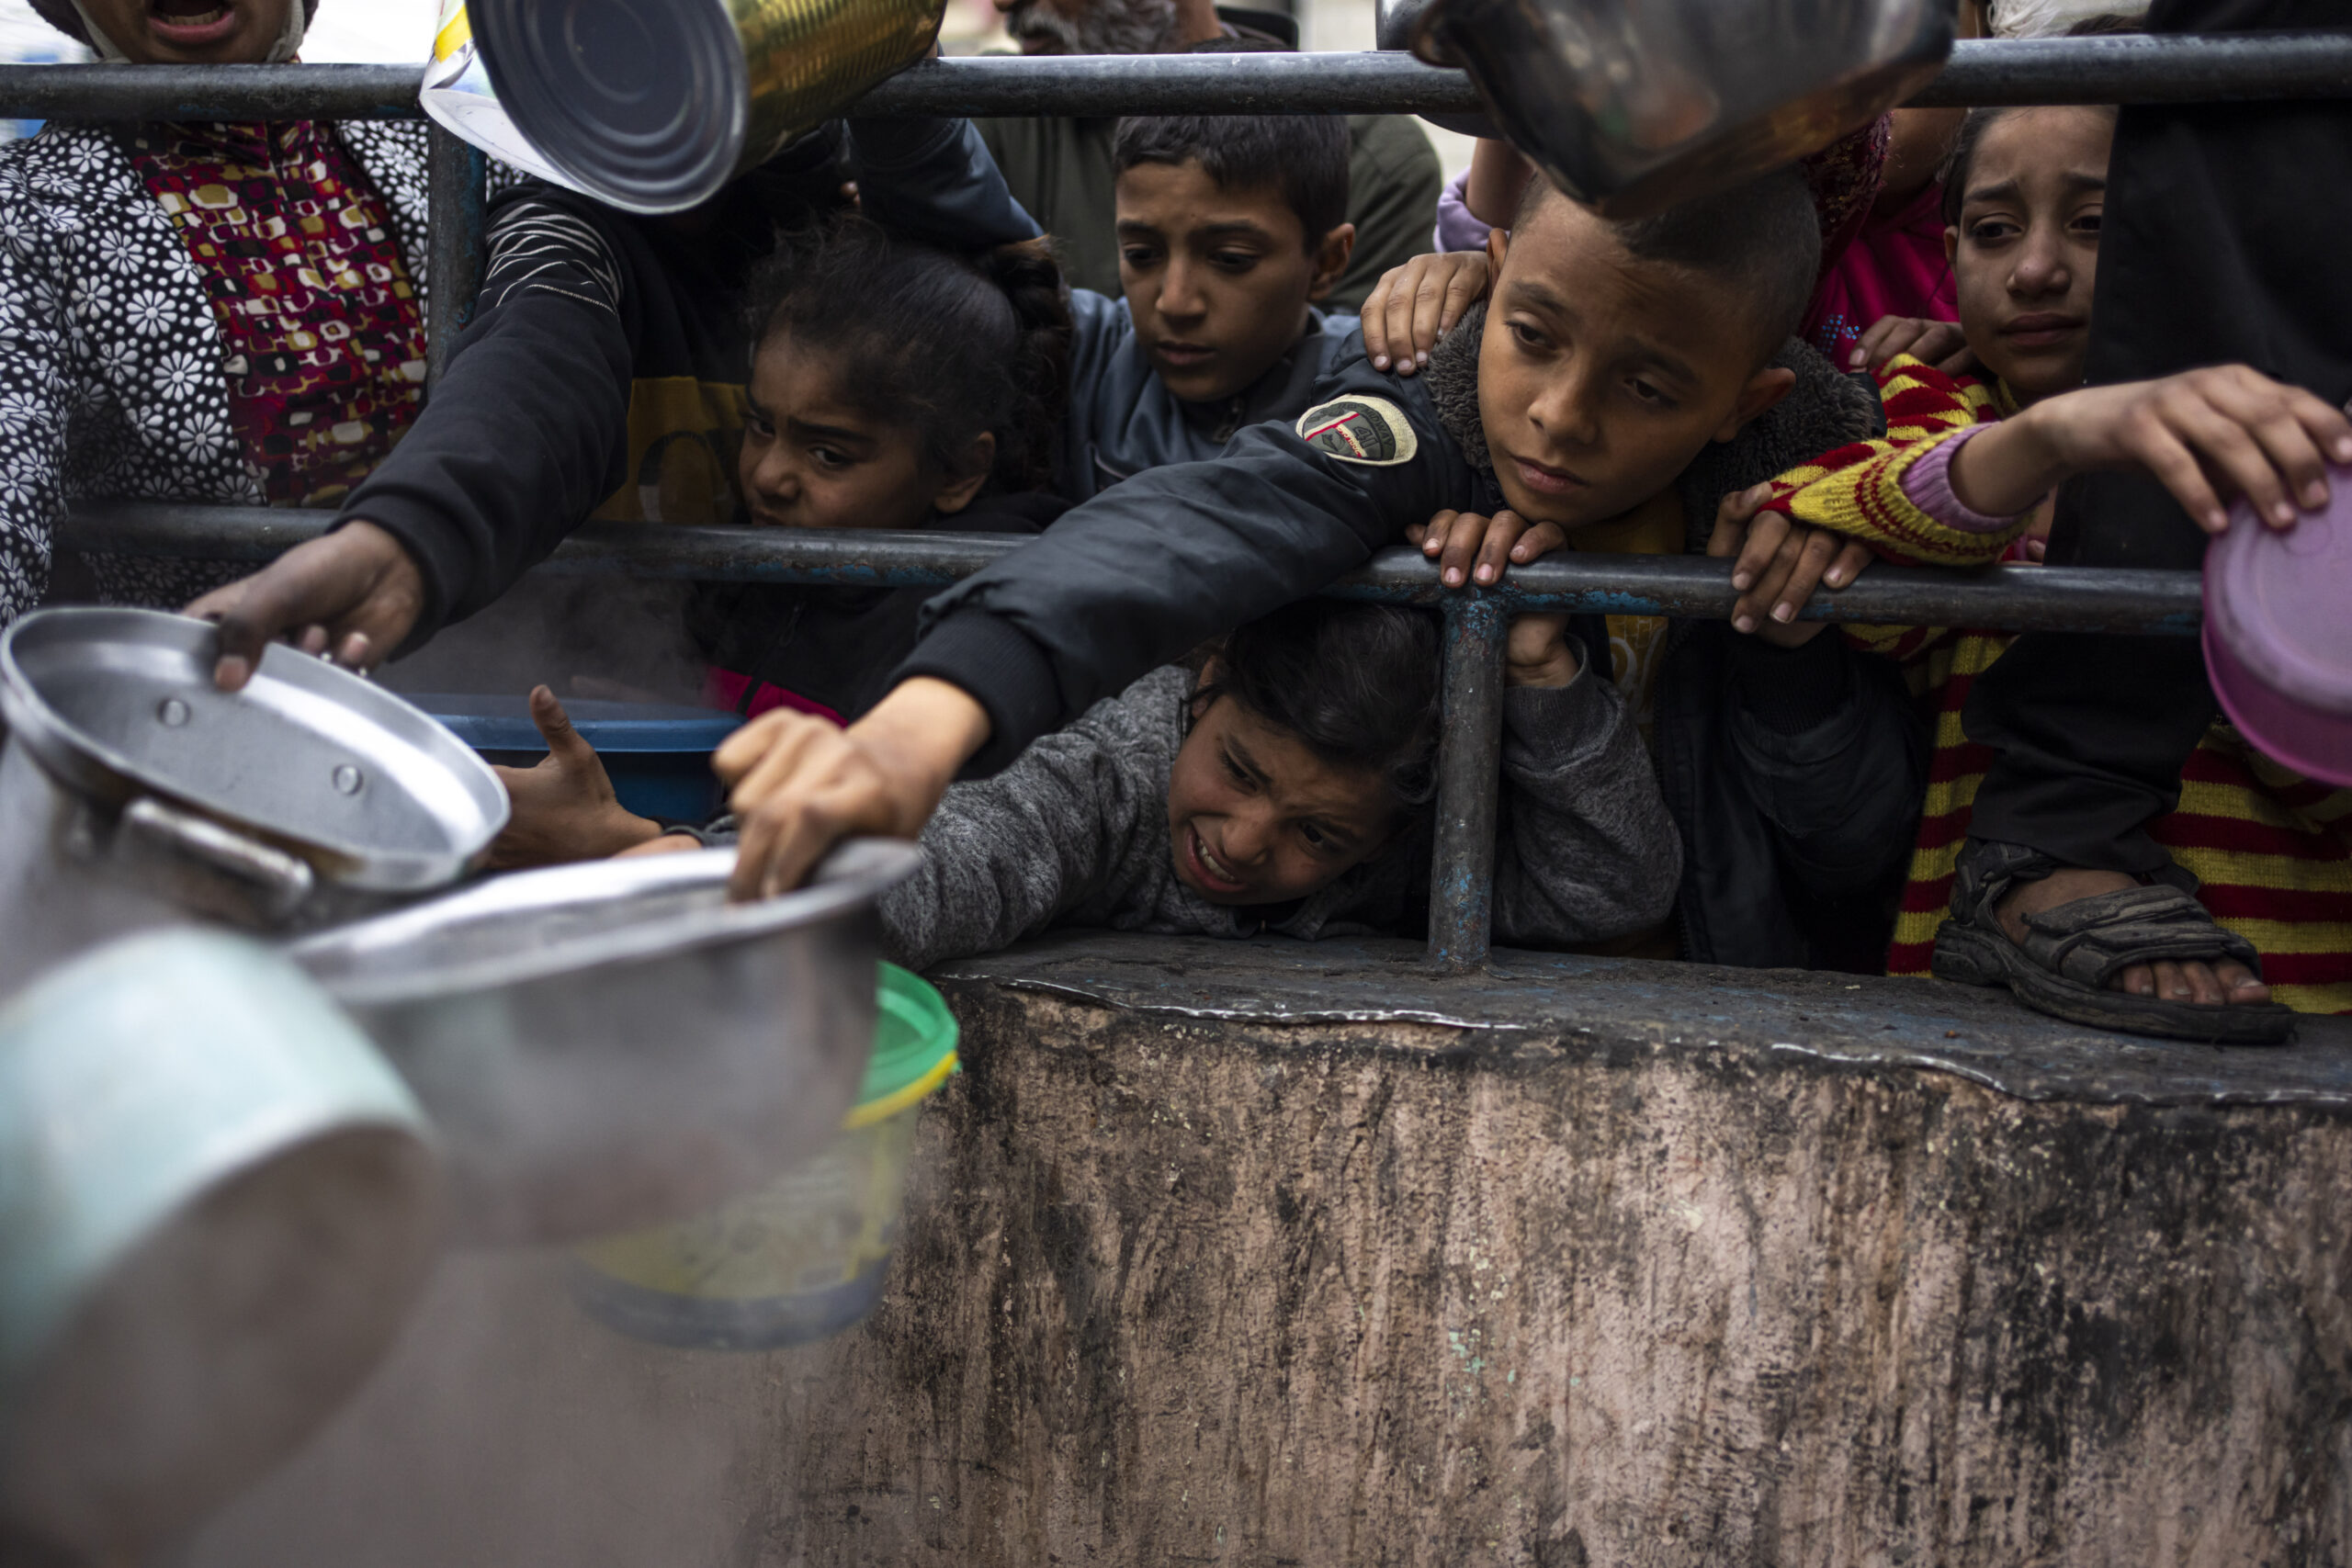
(1356,683)
(954,343)
(61,15)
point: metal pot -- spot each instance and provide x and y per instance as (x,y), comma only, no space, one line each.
(217,1204)
(654,105)
(1630,105)
(133,792)
(611,1044)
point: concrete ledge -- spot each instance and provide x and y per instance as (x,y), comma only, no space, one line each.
(1266,1254)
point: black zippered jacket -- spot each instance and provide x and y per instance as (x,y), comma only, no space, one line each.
(1795,779)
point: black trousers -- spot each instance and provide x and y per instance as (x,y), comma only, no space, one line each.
(2227,239)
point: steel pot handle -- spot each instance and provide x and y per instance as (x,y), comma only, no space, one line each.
(282,880)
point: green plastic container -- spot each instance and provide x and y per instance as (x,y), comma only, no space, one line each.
(805,1256)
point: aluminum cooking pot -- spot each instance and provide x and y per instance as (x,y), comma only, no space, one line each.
(133,792)
(611,1044)
(217,1205)
(654,105)
(1630,105)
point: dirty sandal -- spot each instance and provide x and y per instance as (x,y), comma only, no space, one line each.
(2071,951)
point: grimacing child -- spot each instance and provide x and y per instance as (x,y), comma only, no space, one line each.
(1625,378)
(1285,787)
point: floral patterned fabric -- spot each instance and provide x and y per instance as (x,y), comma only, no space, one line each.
(113,379)
(324,333)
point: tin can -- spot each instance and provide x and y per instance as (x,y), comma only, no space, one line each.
(806,1256)
(458,95)
(654,105)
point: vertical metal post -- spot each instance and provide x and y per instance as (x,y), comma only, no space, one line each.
(1469,768)
(454,199)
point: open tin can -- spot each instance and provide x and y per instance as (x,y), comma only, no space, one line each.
(654,105)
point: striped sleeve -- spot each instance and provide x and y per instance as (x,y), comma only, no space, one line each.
(1858,490)
(541,246)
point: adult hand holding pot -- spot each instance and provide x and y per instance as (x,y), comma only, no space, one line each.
(353,596)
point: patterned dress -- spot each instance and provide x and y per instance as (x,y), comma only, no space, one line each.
(171,330)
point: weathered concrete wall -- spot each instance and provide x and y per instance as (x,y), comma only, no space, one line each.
(1180,1289)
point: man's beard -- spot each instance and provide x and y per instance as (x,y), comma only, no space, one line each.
(1108,27)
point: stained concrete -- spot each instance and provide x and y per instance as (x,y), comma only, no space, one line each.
(1264,1254)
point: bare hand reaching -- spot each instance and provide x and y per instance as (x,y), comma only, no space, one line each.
(564,809)
(353,595)
(2205,434)
(1414,305)
(798,785)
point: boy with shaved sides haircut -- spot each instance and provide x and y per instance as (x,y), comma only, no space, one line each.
(1231,228)
(1627,377)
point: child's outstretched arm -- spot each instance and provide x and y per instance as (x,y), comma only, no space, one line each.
(1118,586)
(1865,489)
(1585,849)
(2203,433)
(1061,832)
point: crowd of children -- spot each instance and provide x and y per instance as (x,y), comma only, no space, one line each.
(1144,718)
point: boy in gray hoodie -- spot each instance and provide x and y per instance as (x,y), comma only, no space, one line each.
(1283,788)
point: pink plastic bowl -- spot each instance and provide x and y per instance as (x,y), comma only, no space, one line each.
(2278,633)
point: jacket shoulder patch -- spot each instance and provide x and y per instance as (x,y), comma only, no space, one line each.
(1359,430)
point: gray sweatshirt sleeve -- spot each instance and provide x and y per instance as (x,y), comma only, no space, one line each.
(1584,849)
(1005,855)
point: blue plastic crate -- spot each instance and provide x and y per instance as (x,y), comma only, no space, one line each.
(658,753)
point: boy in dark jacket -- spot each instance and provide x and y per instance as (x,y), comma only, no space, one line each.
(1231,228)
(1625,378)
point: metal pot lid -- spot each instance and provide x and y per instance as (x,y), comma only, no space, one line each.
(376,795)
(530,925)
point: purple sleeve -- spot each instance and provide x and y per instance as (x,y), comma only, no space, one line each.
(1926,484)
(1456,229)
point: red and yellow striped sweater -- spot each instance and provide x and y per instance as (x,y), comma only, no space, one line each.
(2272,850)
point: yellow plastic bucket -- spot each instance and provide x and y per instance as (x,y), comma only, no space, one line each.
(804,1257)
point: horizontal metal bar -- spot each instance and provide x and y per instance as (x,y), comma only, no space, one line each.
(2039,598)
(2145,70)
(211,92)
(2035,70)
(982,85)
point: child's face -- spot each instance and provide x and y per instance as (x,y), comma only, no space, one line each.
(1601,376)
(2026,252)
(812,459)
(1218,282)
(1256,818)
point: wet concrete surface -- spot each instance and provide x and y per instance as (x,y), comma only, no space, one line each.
(1571,1006)
(1274,1254)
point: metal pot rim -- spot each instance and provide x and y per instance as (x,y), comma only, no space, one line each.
(82,761)
(856,873)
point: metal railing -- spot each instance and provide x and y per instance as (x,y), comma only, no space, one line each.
(2104,69)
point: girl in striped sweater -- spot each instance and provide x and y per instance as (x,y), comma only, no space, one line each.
(1965,476)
